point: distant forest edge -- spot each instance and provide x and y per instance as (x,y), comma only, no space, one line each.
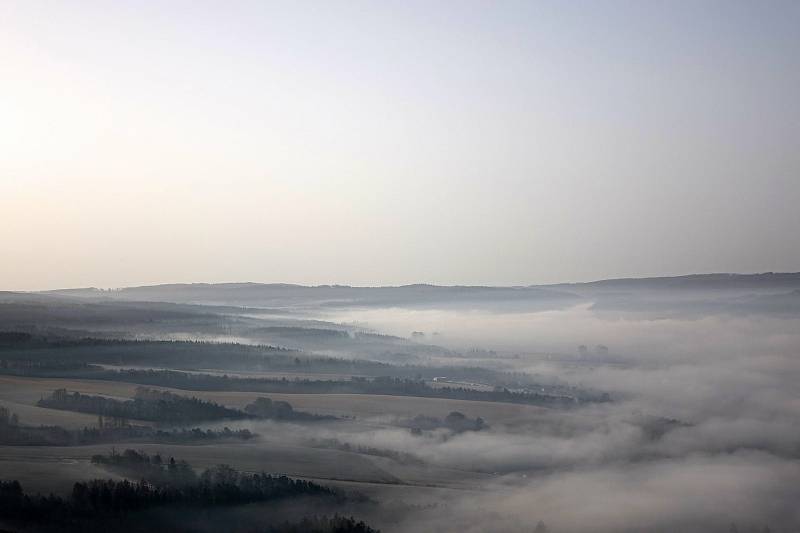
(377,386)
(25,354)
(191,355)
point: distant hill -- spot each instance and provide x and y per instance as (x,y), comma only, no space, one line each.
(699,294)
(641,293)
(769,281)
(284,295)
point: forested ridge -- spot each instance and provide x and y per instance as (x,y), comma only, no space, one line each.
(23,352)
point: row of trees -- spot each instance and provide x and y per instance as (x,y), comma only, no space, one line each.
(378,385)
(163,406)
(14,433)
(148,404)
(336,444)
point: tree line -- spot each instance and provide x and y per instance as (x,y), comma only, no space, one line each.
(14,433)
(26,354)
(163,406)
(167,484)
(356,385)
(148,404)
(106,505)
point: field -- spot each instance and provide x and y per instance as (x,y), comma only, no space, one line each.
(26,391)
(44,468)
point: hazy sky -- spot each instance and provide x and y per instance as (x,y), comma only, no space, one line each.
(384,143)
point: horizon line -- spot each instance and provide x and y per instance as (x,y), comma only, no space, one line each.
(398,286)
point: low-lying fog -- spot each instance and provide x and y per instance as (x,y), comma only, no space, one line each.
(730,453)
(702,433)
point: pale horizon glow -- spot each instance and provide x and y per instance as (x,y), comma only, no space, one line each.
(456,143)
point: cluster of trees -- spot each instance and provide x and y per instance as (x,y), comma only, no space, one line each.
(454,421)
(153,468)
(334,524)
(148,404)
(221,484)
(336,444)
(163,406)
(278,410)
(655,427)
(8,419)
(167,485)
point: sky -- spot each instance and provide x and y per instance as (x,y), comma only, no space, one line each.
(374,143)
